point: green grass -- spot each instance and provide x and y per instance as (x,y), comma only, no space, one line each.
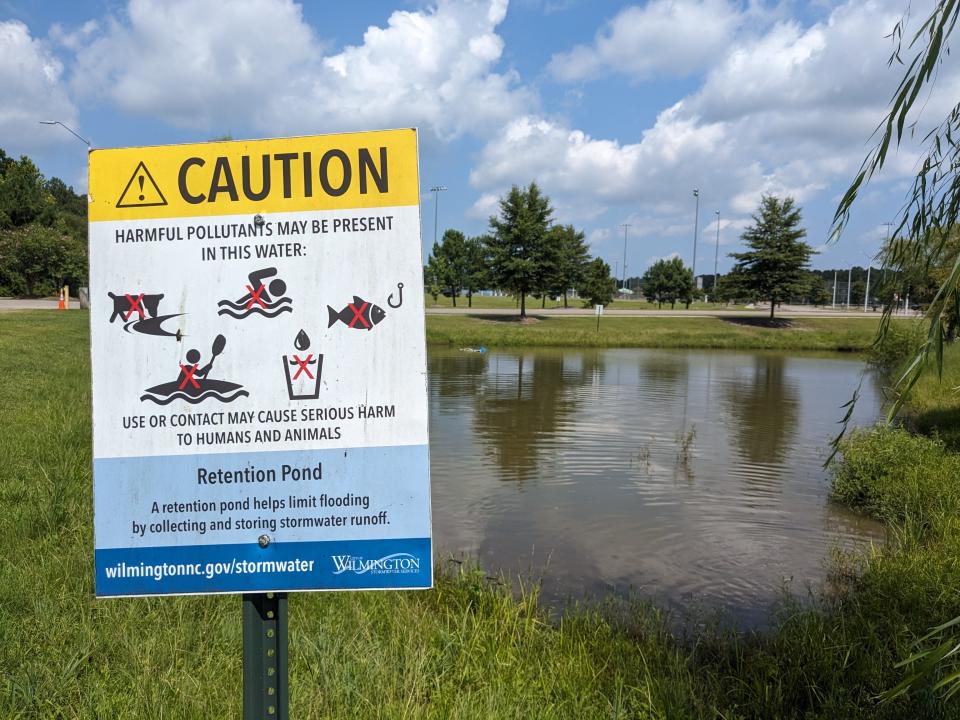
(934,402)
(824,334)
(469,648)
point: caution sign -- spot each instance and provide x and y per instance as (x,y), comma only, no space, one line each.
(324,172)
(259,367)
(141,190)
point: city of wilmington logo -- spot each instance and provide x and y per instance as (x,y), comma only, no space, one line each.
(395,563)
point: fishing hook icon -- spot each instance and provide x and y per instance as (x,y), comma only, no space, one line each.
(400,301)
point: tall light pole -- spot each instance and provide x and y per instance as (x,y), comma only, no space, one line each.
(716,254)
(866,295)
(696,222)
(624,226)
(436,190)
(834,303)
(849,283)
(68,129)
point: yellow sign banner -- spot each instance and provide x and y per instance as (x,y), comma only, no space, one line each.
(318,172)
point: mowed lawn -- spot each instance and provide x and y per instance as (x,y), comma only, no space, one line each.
(823,334)
(468,648)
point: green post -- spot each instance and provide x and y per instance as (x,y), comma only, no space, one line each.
(265,690)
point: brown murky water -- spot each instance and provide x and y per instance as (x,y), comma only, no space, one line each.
(692,477)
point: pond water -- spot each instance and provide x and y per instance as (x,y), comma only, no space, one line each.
(691,477)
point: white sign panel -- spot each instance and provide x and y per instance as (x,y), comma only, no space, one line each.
(259,367)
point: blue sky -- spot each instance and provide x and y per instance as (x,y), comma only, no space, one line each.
(618,110)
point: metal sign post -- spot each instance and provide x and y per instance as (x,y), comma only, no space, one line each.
(265,677)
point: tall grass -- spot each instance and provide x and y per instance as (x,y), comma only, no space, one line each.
(469,648)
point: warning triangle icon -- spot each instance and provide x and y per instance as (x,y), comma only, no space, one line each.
(141,190)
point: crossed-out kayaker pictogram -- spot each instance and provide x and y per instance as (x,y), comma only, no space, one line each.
(188,373)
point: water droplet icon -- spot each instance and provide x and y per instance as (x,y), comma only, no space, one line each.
(302,341)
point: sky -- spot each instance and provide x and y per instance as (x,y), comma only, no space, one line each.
(617,110)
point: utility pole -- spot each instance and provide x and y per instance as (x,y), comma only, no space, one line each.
(436,190)
(624,226)
(849,279)
(696,222)
(834,304)
(716,255)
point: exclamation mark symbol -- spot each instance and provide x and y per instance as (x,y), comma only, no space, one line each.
(140,180)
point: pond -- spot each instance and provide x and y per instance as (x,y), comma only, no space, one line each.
(693,478)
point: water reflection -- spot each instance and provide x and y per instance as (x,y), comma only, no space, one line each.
(762,403)
(691,476)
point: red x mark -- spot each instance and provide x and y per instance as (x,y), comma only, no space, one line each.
(134,306)
(358,315)
(188,376)
(303,366)
(255,296)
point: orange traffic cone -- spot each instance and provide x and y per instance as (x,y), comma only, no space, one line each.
(61,305)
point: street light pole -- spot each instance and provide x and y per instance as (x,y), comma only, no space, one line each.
(716,255)
(696,222)
(624,281)
(68,129)
(436,190)
(849,282)
(866,295)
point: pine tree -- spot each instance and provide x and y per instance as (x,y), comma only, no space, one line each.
(452,252)
(569,256)
(668,281)
(517,245)
(596,285)
(773,267)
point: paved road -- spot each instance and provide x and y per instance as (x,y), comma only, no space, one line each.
(786,312)
(42,304)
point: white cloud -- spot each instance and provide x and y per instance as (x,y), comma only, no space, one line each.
(663,37)
(786,111)
(654,259)
(193,63)
(31,90)
(257,63)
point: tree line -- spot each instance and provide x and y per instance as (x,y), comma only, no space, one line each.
(524,253)
(43,231)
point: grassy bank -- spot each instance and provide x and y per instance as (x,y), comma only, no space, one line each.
(464,650)
(934,403)
(825,334)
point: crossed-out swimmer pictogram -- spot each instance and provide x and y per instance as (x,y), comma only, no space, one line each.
(255,296)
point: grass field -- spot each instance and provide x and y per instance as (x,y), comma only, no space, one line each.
(467,649)
(825,334)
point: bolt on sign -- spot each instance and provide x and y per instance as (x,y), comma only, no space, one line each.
(259,366)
